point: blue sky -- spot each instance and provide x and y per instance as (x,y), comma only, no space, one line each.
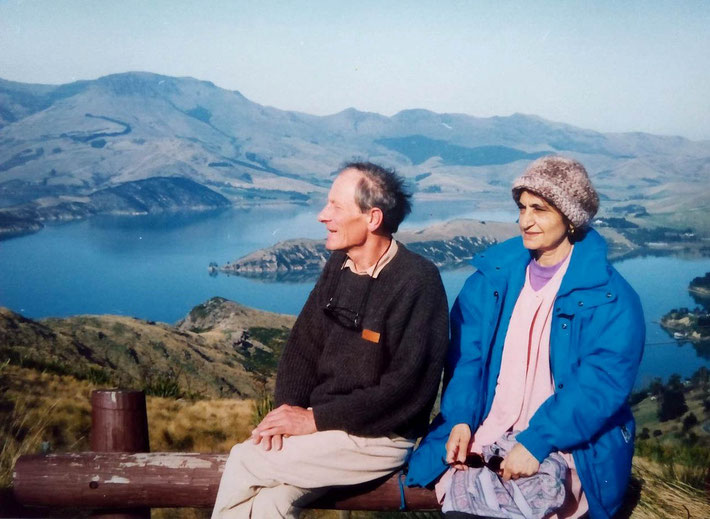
(608,66)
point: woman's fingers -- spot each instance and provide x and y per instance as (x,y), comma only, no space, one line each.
(519,462)
(457,446)
(462,451)
(505,470)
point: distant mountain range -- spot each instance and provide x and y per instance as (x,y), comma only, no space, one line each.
(62,144)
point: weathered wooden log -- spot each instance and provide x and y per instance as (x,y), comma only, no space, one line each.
(168,480)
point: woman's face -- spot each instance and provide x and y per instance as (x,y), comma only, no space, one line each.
(543,227)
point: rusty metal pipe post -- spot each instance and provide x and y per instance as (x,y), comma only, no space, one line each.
(119,423)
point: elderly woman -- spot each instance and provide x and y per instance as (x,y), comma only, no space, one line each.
(546,340)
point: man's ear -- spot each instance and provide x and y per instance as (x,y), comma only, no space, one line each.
(375,219)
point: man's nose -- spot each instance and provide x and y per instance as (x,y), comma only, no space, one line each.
(323,215)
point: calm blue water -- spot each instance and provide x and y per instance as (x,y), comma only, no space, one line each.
(156,268)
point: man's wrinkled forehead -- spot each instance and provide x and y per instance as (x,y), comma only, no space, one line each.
(349,175)
(345,184)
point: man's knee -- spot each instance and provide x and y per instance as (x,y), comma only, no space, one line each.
(237,448)
(241,452)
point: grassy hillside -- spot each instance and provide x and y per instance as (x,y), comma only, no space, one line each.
(672,463)
(231,354)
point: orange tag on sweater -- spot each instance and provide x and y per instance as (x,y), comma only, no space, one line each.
(370,335)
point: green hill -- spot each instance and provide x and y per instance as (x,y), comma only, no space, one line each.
(221,349)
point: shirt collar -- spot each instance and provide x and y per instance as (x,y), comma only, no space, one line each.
(384,260)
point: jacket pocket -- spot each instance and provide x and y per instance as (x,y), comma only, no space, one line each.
(611,463)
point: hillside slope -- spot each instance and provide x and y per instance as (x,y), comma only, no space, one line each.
(222,349)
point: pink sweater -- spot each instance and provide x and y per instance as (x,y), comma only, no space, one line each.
(525,380)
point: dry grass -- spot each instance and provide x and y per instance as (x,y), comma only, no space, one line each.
(666,498)
(202,426)
(42,407)
(36,408)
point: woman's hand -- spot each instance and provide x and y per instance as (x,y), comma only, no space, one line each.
(519,463)
(457,446)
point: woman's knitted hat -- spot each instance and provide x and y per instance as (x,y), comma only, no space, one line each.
(562,182)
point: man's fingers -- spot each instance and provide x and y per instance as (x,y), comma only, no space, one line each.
(276,442)
(268,424)
(255,436)
(271,415)
(283,408)
(266,443)
(269,418)
(272,431)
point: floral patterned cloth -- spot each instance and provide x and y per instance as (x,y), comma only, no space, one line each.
(481,491)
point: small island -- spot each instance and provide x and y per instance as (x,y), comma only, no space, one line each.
(448,245)
(692,325)
(700,287)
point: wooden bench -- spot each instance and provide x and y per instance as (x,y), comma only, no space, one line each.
(120,475)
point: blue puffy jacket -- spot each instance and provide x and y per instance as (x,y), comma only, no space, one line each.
(596,342)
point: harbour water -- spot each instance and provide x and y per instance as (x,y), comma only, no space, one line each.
(155,268)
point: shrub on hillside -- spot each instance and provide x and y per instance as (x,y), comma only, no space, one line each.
(689,421)
(672,401)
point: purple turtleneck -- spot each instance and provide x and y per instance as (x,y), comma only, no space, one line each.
(540,275)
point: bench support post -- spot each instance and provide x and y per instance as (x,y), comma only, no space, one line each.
(119,423)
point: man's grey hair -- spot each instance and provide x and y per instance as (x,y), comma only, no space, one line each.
(382,188)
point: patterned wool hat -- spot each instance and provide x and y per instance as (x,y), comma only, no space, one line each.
(564,183)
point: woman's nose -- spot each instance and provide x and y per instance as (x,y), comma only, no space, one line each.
(524,219)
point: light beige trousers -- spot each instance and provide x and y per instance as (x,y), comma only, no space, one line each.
(261,484)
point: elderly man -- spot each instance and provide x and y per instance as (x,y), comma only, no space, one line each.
(360,372)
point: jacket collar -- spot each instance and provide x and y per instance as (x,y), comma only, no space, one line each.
(503,257)
(587,266)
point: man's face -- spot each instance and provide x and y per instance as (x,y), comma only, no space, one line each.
(346,224)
